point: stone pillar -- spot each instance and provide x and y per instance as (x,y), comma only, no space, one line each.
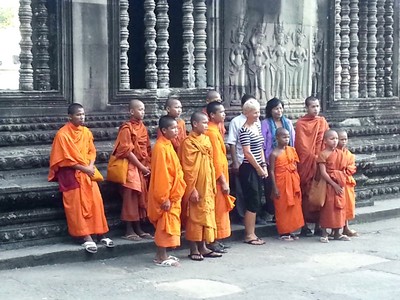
(90,53)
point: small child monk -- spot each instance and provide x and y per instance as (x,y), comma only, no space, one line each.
(349,193)
(199,173)
(166,189)
(331,165)
(223,201)
(174,109)
(72,160)
(133,143)
(214,96)
(286,187)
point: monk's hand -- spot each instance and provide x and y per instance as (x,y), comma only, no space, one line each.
(166,205)
(338,189)
(225,188)
(146,171)
(275,191)
(89,170)
(194,196)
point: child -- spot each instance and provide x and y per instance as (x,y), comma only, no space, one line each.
(309,143)
(223,202)
(350,182)
(331,164)
(72,160)
(286,187)
(166,190)
(174,109)
(197,164)
(214,96)
(133,143)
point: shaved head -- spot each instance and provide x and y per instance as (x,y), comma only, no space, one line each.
(135,104)
(330,133)
(165,122)
(281,131)
(341,131)
(198,117)
(212,96)
(171,101)
(73,108)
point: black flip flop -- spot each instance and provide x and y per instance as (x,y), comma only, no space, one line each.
(212,254)
(196,257)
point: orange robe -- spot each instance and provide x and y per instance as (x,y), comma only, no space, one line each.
(199,173)
(309,143)
(333,213)
(223,203)
(221,126)
(82,200)
(166,183)
(133,137)
(288,212)
(350,184)
(176,142)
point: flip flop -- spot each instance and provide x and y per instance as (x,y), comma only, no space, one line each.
(286,238)
(351,233)
(343,238)
(132,237)
(294,236)
(196,257)
(173,257)
(107,242)
(212,254)
(168,263)
(90,246)
(324,239)
(146,236)
(255,242)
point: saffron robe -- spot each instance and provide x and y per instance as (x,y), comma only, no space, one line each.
(288,212)
(221,126)
(176,142)
(309,143)
(333,213)
(166,183)
(197,163)
(350,184)
(223,203)
(133,137)
(82,200)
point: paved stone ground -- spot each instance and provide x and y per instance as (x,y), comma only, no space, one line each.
(368,267)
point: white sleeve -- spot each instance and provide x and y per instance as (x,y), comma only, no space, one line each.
(233,133)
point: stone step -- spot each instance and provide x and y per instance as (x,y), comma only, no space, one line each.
(62,250)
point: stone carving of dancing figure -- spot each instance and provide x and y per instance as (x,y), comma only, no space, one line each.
(316,66)
(298,57)
(279,64)
(238,56)
(258,57)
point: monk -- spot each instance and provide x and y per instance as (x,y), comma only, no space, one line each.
(286,187)
(331,164)
(133,143)
(223,201)
(309,143)
(199,173)
(214,96)
(166,190)
(174,109)
(350,182)
(72,160)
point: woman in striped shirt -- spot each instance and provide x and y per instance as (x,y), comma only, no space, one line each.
(253,169)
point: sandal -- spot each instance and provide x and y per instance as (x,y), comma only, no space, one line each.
(286,238)
(168,263)
(212,254)
(342,237)
(146,236)
(109,243)
(196,256)
(255,242)
(351,233)
(294,236)
(90,246)
(306,232)
(132,237)
(324,239)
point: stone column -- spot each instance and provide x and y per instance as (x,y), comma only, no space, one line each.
(25,57)
(90,53)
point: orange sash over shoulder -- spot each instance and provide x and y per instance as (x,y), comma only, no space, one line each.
(176,142)
(350,170)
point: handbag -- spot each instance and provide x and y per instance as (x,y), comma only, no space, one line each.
(317,194)
(117,169)
(97,175)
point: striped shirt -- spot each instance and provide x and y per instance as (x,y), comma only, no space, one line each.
(256,142)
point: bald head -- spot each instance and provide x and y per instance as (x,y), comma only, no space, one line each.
(198,117)
(135,103)
(136,109)
(212,96)
(281,131)
(329,133)
(171,102)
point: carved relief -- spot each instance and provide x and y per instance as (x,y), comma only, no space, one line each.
(298,57)
(316,73)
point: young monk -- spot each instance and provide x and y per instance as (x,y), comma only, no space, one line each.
(214,96)
(223,201)
(331,164)
(72,160)
(166,190)
(286,187)
(199,173)
(350,182)
(174,109)
(133,143)
(309,143)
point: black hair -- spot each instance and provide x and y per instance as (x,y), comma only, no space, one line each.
(165,122)
(196,117)
(212,107)
(271,104)
(246,97)
(73,108)
(310,99)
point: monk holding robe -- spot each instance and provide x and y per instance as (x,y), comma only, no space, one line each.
(349,192)
(72,160)
(166,190)
(286,187)
(199,173)
(224,203)
(133,143)
(309,143)
(214,96)
(331,164)
(174,109)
